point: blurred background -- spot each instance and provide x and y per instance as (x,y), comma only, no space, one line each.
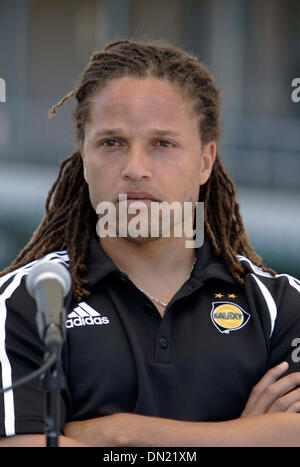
(252,48)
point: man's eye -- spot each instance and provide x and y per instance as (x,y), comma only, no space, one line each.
(164,143)
(110,142)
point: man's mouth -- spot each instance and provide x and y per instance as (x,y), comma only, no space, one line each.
(138,196)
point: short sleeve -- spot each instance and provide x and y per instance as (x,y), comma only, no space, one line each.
(285,338)
(22,410)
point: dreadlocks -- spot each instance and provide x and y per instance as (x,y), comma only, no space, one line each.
(69,216)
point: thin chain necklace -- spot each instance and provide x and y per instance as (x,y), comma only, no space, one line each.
(156,299)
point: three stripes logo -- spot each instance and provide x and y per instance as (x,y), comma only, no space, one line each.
(85,315)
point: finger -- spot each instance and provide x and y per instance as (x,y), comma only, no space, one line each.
(280,394)
(269,378)
(287,403)
(295,408)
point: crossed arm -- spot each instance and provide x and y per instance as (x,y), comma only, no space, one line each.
(269,418)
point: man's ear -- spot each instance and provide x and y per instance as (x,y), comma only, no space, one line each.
(208,156)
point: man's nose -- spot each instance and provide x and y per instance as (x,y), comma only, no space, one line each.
(137,164)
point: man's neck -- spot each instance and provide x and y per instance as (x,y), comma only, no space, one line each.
(158,267)
(146,257)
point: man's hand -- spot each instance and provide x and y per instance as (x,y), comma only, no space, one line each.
(272,394)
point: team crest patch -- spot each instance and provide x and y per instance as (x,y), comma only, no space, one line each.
(228,316)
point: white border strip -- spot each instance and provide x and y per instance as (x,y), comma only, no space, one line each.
(62,255)
(254,267)
(270,302)
(9,413)
(293,281)
(8,396)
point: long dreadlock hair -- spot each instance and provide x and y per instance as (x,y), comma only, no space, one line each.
(69,217)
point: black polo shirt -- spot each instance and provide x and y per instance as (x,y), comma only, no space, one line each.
(198,363)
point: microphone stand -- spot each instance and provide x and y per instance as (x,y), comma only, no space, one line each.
(48,283)
(52,387)
(52,384)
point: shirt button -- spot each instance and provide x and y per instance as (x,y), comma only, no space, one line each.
(163,342)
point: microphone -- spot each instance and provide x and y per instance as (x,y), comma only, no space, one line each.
(48,283)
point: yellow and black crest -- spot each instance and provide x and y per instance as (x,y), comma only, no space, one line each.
(228,316)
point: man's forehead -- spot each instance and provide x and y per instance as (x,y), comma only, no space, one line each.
(136,96)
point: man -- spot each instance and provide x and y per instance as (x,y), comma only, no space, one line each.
(166,345)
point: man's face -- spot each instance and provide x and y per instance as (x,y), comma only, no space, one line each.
(143,136)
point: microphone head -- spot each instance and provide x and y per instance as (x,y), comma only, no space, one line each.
(48,270)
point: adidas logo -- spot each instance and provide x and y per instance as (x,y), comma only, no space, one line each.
(84,315)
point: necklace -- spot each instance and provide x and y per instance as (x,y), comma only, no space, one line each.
(156,299)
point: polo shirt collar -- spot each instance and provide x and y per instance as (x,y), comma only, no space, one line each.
(99,265)
(208,265)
